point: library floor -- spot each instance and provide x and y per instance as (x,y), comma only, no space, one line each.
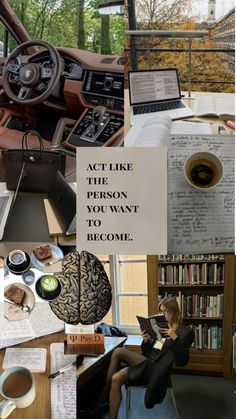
(197,397)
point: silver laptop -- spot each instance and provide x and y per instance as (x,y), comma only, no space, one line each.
(156,91)
(62,198)
(6,200)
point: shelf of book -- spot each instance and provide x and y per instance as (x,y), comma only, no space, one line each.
(202,318)
(205,287)
(190,261)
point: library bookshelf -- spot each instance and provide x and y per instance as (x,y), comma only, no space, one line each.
(205,287)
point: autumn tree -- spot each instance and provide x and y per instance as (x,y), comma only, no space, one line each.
(206,66)
(159,14)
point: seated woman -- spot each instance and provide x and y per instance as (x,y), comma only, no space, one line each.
(153,366)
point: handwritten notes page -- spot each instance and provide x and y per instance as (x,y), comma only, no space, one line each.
(200,221)
(32,358)
(63,387)
(42,321)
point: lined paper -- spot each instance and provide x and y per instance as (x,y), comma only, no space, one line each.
(200,221)
(63,387)
(41,322)
(32,358)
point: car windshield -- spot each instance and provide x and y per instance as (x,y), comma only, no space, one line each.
(70,23)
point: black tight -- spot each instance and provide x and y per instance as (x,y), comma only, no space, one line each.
(116,378)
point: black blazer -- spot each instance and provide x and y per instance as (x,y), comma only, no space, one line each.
(155,371)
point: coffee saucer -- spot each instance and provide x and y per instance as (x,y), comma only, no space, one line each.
(11,311)
(15,269)
(42,264)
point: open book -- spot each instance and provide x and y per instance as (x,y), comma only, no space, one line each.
(42,321)
(208,106)
(156,131)
(153,324)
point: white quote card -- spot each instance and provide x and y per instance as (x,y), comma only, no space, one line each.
(122,200)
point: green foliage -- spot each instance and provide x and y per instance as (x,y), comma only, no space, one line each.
(58,22)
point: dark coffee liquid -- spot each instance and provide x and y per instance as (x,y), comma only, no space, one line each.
(202,174)
(17,385)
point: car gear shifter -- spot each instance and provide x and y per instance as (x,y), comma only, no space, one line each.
(100,118)
(98,114)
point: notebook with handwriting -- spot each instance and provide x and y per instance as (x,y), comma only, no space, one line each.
(63,387)
(42,321)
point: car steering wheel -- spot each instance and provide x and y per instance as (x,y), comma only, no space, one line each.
(35,82)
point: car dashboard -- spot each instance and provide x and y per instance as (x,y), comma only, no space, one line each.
(88,81)
(93,84)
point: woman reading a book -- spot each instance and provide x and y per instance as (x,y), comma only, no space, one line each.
(153,366)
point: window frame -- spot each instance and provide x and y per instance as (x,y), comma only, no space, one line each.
(115,278)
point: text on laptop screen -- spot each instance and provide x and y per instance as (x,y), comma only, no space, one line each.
(153,85)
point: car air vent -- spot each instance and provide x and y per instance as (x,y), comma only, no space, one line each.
(121,61)
(95,100)
(118,105)
(108,60)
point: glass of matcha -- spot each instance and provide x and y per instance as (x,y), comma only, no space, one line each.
(48,287)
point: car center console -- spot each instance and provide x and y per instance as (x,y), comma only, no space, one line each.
(104,89)
(87,134)
(102,122)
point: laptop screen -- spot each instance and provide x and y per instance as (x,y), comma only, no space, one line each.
(148,86)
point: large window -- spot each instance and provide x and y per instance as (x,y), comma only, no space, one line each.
(128,276)
(106,261)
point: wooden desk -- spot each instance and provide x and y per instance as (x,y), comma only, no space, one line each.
(41,407)
(216,122)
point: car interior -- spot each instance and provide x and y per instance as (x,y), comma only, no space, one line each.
(73,98)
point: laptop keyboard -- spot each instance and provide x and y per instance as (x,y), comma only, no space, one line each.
(158,107)
(3,204)
(72,227)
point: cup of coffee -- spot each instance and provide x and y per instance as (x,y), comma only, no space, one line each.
(17,257)
(17,387)
(18,261)
(203,170)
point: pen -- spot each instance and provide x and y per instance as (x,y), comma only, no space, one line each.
(62,370)
(221,130)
